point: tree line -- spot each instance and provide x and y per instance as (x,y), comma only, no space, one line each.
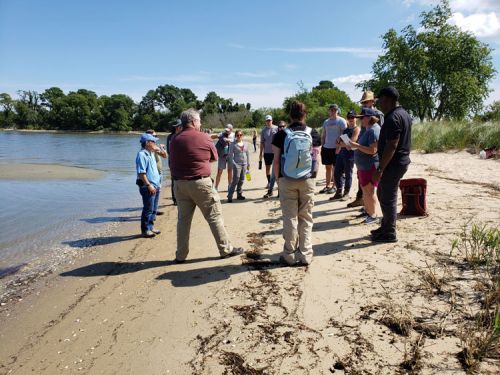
(440,71)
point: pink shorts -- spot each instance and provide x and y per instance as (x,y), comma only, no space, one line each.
(366,177)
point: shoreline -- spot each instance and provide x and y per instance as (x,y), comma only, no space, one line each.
(124,294)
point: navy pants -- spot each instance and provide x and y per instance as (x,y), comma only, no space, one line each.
(149,206)
(387,194)
(343,165)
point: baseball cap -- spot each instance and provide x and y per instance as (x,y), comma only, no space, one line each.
(148,137)
(176,123)
(351,114)
(335,107)
(229,127)
(368,112)
(269,118)
(389,91)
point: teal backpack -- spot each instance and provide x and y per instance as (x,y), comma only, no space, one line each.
(296,161)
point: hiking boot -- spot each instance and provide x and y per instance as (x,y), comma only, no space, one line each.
(377,231)
(229,200)
(338,195)
(346,194)
(240,197)
(355,203)
(385,238)
(234,252)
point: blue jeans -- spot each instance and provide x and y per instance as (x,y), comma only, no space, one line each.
(156,202)
(272,181)
(149,202)
(343,165)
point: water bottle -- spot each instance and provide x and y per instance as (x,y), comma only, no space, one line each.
(248,176)
(482,154)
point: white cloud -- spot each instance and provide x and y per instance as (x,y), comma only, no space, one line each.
(255,74)
(364,52)
(348,84)
(480,24)
(174,78)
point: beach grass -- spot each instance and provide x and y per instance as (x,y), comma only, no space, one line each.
(443,136)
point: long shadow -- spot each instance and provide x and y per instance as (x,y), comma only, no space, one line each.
(126,209)
(110,219)
(331,248)
(202,276)
(332,224)
(120,268)
(96,241)
(331,211)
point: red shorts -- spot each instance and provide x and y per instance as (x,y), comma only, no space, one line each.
(366,177)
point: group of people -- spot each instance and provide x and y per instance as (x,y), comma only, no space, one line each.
(380,150)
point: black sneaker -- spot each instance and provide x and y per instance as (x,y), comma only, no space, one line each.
(325,190)
(385,238)
(268,195)
(240,198)
(179,261)
(337,196)
(229,200)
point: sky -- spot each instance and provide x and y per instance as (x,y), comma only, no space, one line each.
(251,51)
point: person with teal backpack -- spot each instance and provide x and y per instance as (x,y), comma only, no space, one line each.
(294,165)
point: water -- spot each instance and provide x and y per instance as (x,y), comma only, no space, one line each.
(40,217)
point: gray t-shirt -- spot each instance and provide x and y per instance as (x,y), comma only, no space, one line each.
(332,130)
(239,155)
(266,138)
(364,161)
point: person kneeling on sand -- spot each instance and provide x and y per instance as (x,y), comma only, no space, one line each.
(148,180)
(192,151)
(294,167)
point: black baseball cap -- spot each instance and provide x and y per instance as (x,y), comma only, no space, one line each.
(389,91)
(368,112)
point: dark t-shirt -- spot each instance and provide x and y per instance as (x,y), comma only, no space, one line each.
(279,137)
(191,153)
(397,124)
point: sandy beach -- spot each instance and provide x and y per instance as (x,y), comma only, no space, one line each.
(123,307)
(44,172)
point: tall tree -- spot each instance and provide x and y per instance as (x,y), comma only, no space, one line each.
(439,70)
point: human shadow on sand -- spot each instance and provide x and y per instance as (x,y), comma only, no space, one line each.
(207,275)
(120,268)
(97,241)
(125,209)
(110,219)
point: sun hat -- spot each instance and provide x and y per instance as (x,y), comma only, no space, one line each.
(367,96)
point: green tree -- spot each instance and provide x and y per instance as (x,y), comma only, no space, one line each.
(441,72)
(116,112)
(7,106)
(324,85)
(28,110)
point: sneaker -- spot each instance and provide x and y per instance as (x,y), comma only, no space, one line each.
(355,203)
(326,190)
(371,219)
(346,194)
(179,261)
(361,214)
(268,195)
(240,197)
(283,262)
(376,231)
(229,200)
(234,252)
(148,234)
(385,238)
(337,196)
(156,231)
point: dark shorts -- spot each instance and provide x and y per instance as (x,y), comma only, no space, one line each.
(328,156)
(268,159)
(366,177)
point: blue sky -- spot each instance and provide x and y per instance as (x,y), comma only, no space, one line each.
(252,51)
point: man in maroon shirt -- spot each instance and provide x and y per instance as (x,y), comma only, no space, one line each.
(192,152)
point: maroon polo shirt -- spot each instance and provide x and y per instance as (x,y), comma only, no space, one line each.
(191,152)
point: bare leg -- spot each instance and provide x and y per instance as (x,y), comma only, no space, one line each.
(217,178)
(369,199)
(329,174)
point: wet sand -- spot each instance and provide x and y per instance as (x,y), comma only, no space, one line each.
(45,172)
(125,307)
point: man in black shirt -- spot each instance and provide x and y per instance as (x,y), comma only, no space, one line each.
(394,152)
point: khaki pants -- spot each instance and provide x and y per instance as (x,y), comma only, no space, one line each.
(297,201)
(201,193)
